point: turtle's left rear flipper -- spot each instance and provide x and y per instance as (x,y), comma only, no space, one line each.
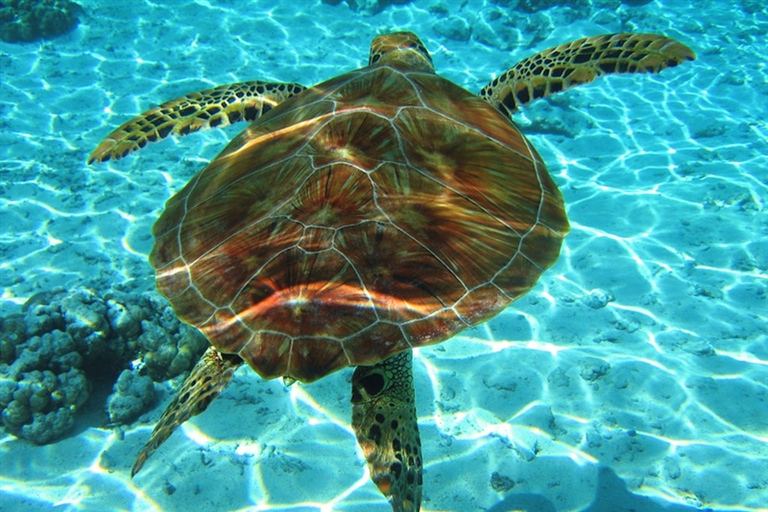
(212,108)
(580,62)
(208,378)
(385,422)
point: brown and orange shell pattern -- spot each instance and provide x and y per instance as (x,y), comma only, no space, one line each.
(382,210)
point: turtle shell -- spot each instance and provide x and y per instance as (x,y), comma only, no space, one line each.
(378,211)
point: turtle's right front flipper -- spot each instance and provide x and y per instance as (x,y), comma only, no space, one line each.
(207,380)
(212,108)
(580,62)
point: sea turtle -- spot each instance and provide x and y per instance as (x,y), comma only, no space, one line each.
(385,209)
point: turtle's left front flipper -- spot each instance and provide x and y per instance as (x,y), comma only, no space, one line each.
(207,380)
(385,422)
(212,108)
(580,62)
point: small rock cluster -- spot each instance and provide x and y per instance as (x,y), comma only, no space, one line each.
(23,21)
(64,341)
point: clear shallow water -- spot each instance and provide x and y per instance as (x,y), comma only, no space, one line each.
(656,401)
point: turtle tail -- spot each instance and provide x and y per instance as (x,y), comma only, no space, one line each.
(206,381)
(580,62)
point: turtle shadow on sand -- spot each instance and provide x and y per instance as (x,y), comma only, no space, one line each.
(611,495)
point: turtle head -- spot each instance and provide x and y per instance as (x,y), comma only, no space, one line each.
(401,50)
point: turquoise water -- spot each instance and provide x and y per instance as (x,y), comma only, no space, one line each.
(634,376)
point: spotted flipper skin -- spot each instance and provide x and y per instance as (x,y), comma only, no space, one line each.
(212,108)
(580,62)
(208,378)
(385,422)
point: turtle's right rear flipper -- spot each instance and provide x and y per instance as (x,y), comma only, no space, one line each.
(208,378)
(384,420)
(580,62)
(212,108)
